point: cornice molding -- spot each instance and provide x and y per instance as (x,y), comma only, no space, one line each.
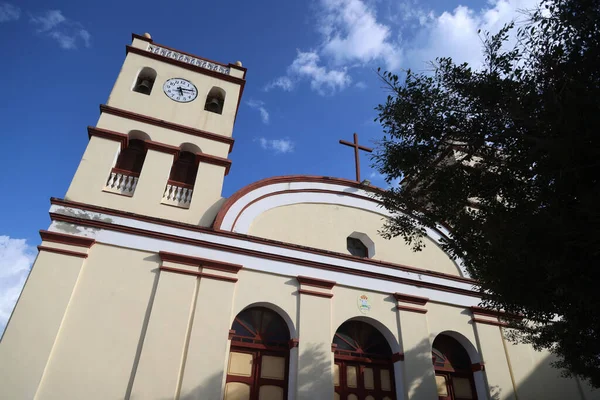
(259,240)
(165,124)
(320,283)
(63,238)
(157,146)
(199,262)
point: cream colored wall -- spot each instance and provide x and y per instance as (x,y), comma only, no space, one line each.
(31,333)
(158,105)
(162,135)
(326,226)
(535,378)
(128,327)
(159,369)
(100,157)
(99,338)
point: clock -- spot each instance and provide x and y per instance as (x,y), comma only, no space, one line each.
(180,90)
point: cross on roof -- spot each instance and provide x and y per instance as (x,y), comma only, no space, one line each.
(357,147)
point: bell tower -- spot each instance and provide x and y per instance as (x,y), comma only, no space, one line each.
(160,147)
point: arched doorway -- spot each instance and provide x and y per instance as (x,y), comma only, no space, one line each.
(363,363)
(453,374)
(259,356)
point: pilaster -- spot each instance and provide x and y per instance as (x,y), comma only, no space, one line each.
(419,375)
(203,367)
(25,350)
(493,353)
(315,359)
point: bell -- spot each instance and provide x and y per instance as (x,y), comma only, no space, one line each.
(145,87)
(213,105)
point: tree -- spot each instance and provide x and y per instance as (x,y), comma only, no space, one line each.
(508,156)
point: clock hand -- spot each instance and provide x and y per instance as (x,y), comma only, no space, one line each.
(180,90)
(187,90)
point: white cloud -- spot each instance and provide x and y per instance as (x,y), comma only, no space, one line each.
(48,21)
(353,34)
(307,66)
(260,106)
(361,85)
(279,146)
(8,12)
(322,80)
(16,257)
(454,33)
(66,32)
(282,82)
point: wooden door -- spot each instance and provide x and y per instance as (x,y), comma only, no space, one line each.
(256,375)
(362,381)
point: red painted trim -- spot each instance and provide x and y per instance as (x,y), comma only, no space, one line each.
(321,179)
(63,238)
(407,298)
(365,360)
(412,309)
(305,280)
(231,333)
(295,191)
(261,254)
(63,252)
(199,262)
(397,357)
(493,313)
(293,343)
(259,240)
(198,274)
(165,124)
(125,172)
(191,67)
(163,148)
(110,135)
(489,322)
(284,179)
(140,37)
(180,184)
(313,293)
(477,367)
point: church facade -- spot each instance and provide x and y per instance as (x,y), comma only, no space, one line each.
(149,285)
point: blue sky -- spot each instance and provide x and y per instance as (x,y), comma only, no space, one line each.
(311,81)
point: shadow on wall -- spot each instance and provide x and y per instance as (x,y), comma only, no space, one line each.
(418,386)
(545,382)
(316,373)
(313,376)
(422,386)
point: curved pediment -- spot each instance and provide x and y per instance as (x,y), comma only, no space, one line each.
(321,213)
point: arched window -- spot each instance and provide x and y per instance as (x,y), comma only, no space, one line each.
(363,363)
(215,100)
(259,356)
(145,81)
(132,157)
(453,374)
(184,169)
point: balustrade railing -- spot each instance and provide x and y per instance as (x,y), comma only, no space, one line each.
(178,194)
(122,182)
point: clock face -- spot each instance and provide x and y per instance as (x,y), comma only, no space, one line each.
(180,90)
